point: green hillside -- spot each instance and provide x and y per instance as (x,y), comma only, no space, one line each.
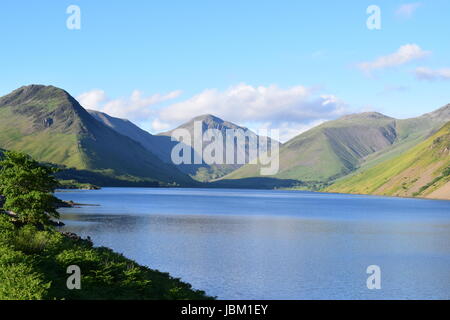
(349,145)
(410,132)
(330,150)
(423,171)
(50,125)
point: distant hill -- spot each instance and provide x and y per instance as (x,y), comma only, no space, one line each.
(162,145)
(340,147)
(204,171)
(424,171)
(332,149)
(410,132)
(50,125)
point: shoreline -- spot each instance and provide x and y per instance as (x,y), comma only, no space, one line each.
(258,189)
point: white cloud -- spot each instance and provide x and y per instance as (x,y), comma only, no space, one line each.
(134,107)
(407,10)
(92,99)
(158,125)
(290,110)
(423,73)
(403,55)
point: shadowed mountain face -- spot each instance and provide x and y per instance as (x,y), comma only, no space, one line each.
(50,125)
(339,147)
(162,144)
(243,148)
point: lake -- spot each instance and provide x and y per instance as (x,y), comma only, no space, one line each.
(265,244)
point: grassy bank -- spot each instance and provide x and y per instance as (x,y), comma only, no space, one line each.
(33,265)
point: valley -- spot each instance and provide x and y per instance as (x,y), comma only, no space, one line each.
(367,153)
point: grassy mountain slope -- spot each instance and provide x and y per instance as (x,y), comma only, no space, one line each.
(330,150)
(50,125)
(422,171)
(348,146)
(410,132)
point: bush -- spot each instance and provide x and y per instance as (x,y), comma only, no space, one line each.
(28,188)
(18,277)
(446,172)
(29,241)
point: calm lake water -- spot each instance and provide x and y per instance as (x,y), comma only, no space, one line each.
(253,244)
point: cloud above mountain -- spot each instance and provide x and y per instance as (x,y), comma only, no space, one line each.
(134,107)
(405,54)
(290,110)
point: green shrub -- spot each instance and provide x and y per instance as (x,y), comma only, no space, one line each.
(29,241)
(18,277)
(446,172)
(28,188)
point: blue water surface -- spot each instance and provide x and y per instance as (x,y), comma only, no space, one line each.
(265,244)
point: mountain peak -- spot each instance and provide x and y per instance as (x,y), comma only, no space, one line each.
(37,95)
(50,125)
(209,122)
(365,115)
(35,89)
(208,118)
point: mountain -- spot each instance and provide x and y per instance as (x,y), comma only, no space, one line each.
(339,147)
(160,146)
(209,172)
(331,149)
(50,125)
(410,132)
(424,171)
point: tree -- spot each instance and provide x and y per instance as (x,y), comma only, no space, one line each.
(27,187)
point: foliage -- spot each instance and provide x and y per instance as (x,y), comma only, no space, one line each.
(446,172)
(18,279)
(33,265)
(27,187)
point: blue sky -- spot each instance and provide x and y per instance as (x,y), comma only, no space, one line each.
(275,64)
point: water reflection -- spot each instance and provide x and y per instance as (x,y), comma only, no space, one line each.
(275,244)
